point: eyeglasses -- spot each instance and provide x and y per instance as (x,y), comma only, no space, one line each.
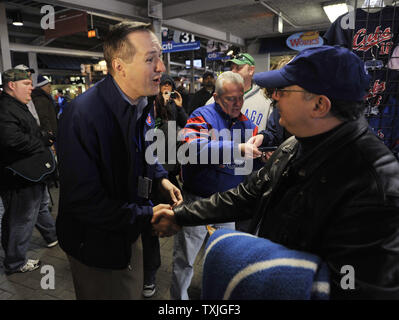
(279,91)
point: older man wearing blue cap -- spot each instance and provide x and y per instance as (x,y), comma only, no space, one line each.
(332,189)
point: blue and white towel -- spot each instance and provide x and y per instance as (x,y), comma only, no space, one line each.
(240,266)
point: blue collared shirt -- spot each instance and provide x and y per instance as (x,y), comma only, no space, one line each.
(141,103)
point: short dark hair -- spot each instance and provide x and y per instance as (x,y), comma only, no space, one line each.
(347,110)
(116,44)
(342,109)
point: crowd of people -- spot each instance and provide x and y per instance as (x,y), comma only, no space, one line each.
(285,155)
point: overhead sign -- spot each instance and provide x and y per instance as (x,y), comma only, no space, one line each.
(303,40)
(175,41)
(216,51)
(176,47)
(67,23)
(212,56)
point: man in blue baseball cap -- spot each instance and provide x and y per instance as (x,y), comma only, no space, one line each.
(332,189)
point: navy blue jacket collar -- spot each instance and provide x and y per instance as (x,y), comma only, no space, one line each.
(112,98)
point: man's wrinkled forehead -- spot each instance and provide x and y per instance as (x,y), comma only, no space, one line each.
(233,88)
(144,41)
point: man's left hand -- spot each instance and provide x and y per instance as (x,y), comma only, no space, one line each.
(172,192)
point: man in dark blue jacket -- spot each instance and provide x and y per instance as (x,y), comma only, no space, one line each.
(105,178)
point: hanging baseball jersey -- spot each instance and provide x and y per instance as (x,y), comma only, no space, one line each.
(373,39)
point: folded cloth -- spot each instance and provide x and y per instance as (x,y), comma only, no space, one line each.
(240,266)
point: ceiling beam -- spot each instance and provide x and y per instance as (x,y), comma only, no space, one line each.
(50,50)
(22,34)
(195,7)
(118,9)
(26,9)
(110,7)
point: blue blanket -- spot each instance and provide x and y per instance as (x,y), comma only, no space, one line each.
(240,266)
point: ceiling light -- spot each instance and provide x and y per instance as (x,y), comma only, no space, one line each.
(17,19)
(334,10)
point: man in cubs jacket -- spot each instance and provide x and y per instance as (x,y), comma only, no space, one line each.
(214,136)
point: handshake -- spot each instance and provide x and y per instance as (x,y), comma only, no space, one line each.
(163,221)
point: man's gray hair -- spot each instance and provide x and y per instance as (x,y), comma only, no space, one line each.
(229,77)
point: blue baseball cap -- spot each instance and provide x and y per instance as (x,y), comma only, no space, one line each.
(333,71)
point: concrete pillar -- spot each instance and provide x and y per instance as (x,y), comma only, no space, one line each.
(33,65)
(167,62)
(4,41)
(262,61)
(192,82)
(157,25)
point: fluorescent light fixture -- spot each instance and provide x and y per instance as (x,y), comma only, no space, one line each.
(17,19)
(333,11)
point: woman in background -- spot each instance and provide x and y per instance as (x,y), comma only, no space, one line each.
(168,106)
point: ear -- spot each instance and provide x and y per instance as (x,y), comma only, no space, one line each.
(216,97)
(251,70)
(322,107)
(11,85)
(117,66)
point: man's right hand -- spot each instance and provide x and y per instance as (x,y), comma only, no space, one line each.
(256,140)
(163,221)
(249,151)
